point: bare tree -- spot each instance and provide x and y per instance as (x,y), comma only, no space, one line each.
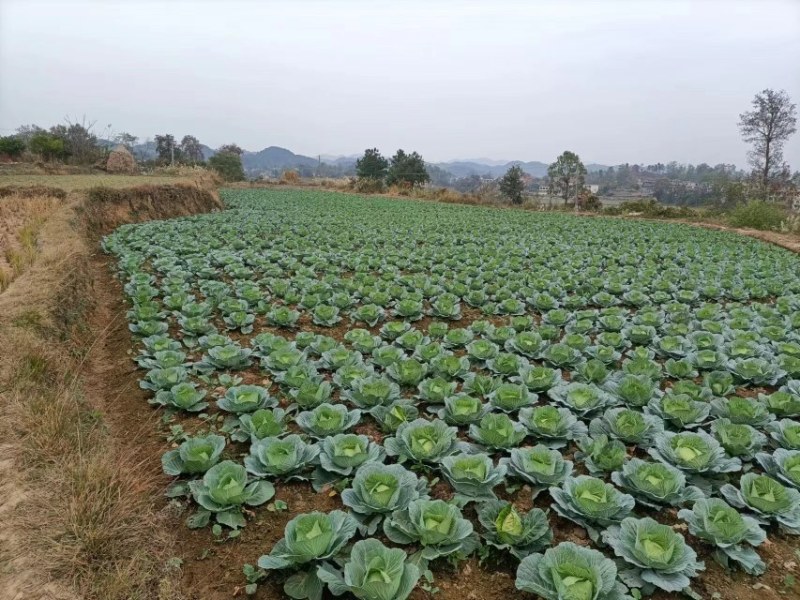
(771,122)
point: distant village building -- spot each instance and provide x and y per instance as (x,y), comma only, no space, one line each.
(593,188)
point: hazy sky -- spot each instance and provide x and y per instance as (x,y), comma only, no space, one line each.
(615,81)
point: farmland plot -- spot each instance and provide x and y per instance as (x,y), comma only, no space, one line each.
(593,408)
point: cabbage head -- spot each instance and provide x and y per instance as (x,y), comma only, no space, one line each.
(423,441)
(223,492)
(591,503)
(570,572)
(506,528)
(733,534)
(655,484)
(372,572)
(769,499)
(195,455)
(659,557)
(309,539)
(437,526)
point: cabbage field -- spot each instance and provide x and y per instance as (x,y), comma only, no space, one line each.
(470,382)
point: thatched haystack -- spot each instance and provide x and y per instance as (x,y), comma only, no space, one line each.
(120,160)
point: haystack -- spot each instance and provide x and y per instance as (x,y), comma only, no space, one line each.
(120,160)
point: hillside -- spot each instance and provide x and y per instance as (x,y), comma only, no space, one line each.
(275,158)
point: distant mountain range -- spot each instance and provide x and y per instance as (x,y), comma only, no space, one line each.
(274,159)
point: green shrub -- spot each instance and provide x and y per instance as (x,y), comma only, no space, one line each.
(757,214)
(228,165)
(651,209)
(11,146)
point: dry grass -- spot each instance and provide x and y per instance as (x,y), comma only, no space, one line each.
(289,177)
(82,520)
(195,174)
(21,219)
(81,182)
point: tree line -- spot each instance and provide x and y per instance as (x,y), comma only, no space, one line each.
(75,143)
(402,169)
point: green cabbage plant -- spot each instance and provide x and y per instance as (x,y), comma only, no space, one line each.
(694,453)
(679,410)
(285,458)
(163,379)
(785,433)
(538,378)
(407,372)
(740,410)
(582,399)
(768,499)
(539,466)
(229,356)
(423,441)
(591,503)
(551,425)
(327,419)
(658,556)
(435,390)
(570,572)
(377,490)
(372,391)
(782,403)
(223,492)
(497,431)
(506,529)
(340,455)
(756,371)
(634,390)
(260,424)
(739,440)
(437,526)
(372,572)
(732,534)
(395,414)
(462,409)
(627,425)
(246,399)
(600,454)
(655,484)
(509,397)
(195,455)
(472,476)
(309,539)
(183,396)
(311,393)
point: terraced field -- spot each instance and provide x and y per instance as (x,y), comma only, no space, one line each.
(459,402)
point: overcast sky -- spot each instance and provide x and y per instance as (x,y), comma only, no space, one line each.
(616,81)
